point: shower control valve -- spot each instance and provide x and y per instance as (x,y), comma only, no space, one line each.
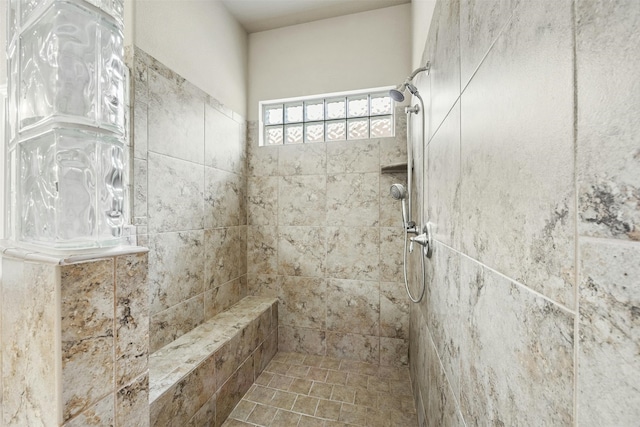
(423,240)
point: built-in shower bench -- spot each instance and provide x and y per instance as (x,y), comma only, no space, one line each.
(199,378)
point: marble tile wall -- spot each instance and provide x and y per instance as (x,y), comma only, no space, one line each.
(532,168)
(189,191)
(324,236)
(75,341)
(199,378)
(608,185)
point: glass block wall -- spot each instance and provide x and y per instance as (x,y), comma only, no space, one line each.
(327,118)
(66,155)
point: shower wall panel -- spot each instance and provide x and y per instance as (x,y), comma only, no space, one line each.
(75,340)
(325,237)
(608,186)
(189,173)
(532,178)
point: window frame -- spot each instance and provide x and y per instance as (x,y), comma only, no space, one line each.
(262,126)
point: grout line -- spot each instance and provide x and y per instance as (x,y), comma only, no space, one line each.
(522,285)
(608,240)
(576,278)
(484,57)
(443,370)
(115,342)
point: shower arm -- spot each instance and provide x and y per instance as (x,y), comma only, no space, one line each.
(418,70)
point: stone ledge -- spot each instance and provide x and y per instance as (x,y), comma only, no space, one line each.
(185,375)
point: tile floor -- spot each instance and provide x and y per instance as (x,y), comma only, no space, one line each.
(309,391)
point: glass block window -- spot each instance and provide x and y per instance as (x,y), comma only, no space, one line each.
(333,117)
(274,135)
(294,134)
(336,130)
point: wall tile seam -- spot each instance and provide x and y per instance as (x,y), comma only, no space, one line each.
(250,356)
(206,289)
(424,412)
(412,380)
(153,233)
(116,412)
(140,57)
(377,173)
(114,381)
(513,281)
(576,224)
(204,157)
(193,419)
(157,153)
(607,240)
(212,102)
(175,306)
(443,371)
(203,293)
(444,119)
(90,407)
(497,37)
(134,380)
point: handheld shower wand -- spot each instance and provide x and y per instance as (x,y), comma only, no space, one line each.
(399,193)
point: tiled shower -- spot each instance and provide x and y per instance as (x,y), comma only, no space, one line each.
(188,199)
(532,175)
(322,237)
(531,181)
(317,229)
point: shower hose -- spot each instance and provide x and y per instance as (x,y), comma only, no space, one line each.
(406,282)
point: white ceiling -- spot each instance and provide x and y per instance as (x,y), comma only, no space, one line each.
(261,15)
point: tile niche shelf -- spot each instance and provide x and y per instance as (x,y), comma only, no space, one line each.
(394,168)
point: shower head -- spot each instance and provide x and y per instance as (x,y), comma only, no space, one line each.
(398,192)
(397,94)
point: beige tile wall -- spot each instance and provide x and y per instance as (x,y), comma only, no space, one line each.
(532,176)
(75,342)
(189,161)
(324,236)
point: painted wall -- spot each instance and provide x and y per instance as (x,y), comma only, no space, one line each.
(421,14)
(3,42)
(199,40)
(358,51)
(532,174)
